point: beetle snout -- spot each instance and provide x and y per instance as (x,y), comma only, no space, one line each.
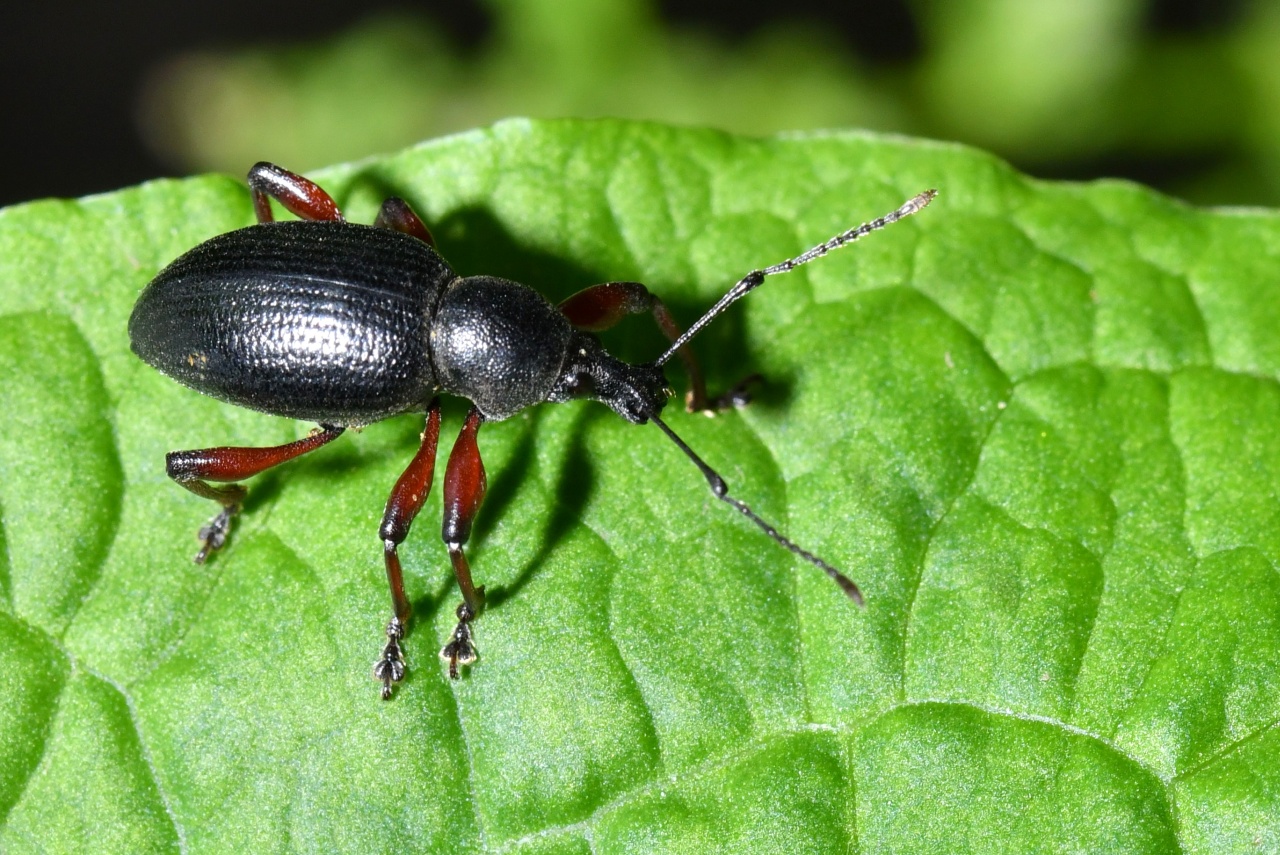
(644,394)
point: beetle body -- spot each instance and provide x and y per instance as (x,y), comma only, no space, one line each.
(344,325)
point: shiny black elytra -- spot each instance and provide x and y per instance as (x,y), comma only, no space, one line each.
(345,324)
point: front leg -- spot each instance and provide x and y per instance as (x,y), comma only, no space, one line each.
(464,488)
(599,307)
(406,500)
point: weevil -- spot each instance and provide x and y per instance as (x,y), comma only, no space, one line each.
(343,325)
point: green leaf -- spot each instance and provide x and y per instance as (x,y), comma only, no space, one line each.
(1035,422)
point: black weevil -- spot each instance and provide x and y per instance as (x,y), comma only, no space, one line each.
(343,325)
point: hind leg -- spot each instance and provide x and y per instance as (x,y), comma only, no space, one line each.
(299,196)
(196,468)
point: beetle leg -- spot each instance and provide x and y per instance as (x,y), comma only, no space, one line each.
(599,307)
(299,196)
(396,214)
(194,469)
(406,500)
(464,486)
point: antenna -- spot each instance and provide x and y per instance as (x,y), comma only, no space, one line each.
(755,278)
(745,285)
(721,491)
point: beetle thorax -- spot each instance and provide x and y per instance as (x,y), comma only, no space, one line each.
(499,344)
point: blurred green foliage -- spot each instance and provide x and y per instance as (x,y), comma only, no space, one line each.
(1062,88)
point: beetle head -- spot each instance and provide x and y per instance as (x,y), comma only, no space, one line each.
(635,392)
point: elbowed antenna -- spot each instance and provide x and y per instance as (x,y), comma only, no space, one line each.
(721,491)
(746,285)
(755,278)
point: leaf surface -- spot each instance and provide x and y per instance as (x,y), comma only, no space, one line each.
(1035,422)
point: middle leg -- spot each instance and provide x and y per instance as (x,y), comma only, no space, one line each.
(397,215)
(406,500)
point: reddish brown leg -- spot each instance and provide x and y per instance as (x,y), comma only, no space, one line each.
(299,196)
(464,486)
(396,214)
(599,307)
(406,500)
(193,469)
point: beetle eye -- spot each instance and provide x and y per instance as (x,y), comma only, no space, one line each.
(582,385)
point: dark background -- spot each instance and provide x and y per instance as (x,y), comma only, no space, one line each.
(72,75)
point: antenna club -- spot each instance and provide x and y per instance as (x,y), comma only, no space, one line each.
(918,202)
(846,584)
